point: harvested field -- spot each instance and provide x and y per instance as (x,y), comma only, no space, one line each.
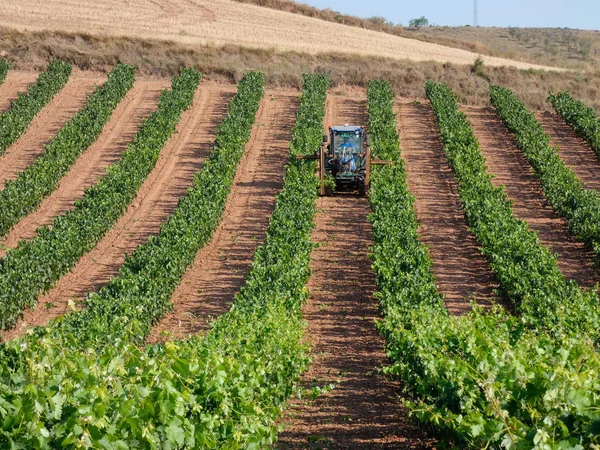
(225,22)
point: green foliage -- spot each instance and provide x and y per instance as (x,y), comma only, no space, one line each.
(564,191)
(4,67)
(418,22)
(527,271)
(582,119)
(17,118)
(35,265)
(223,390)
(483,380)
(139,296)
(25,193)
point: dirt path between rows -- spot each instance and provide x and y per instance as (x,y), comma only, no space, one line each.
(511,169)
(183,155)
(364,409)
(45,125)
(462,273)
(208,287)
(14,83)
(91,166)
(574,151)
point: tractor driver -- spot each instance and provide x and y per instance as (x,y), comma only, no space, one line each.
(347,155)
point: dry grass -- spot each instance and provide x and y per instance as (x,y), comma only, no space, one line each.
(225,22)
(546,46)
(32,51)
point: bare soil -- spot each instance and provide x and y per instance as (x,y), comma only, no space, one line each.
(225,22)
(208,287)
(512,170)
(461,271)
(16,82)
(91,166)
(45,125)
(575,151)
(364,409)
(183,155)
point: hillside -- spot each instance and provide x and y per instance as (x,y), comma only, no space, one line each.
(225,22)
(562,47)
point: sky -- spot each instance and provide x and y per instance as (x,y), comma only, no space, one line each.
(583,14)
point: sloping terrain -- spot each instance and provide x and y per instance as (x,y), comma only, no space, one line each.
(225,22)
(363,409)
(219,269)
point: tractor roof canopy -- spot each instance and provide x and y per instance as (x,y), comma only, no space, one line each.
(351,129)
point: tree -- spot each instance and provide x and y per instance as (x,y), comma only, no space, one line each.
(585,47)
(418,23)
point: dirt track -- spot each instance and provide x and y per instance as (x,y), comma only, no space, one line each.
(462,272)
(226,22)
(575,151)
(91,166)
(183,155)
(14,83)
(511,169)
(45,125)
(218,271)
(363,410)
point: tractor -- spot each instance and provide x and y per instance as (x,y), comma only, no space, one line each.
(345,160)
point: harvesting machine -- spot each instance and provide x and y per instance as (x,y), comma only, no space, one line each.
(345,160)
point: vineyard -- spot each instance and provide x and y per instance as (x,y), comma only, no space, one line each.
(170,278)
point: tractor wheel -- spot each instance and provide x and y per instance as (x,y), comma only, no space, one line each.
(361,188)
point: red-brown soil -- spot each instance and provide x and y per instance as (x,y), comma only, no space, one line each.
(183,155)
(14,83)
(45,125)
(511,169)
(87,170)
(574,151)
(462,272)
(364,409)
(218,271)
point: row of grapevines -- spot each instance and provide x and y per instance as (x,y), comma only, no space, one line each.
(35,265)
(583,120)
(17,118)
(139,296)
(564,191)
(223,390)
(483,380)
(25,193)
(4,66)
(528,273)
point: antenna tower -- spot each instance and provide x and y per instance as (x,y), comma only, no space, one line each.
(475,15)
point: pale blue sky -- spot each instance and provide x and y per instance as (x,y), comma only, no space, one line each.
(584,14)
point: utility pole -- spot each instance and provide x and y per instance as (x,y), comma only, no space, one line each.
(475,15)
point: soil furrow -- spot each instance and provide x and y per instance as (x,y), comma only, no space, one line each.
(363,410)
(462,272)
(218,271)
(44,127)
(15,82)
(574,151)
(183,155)
(510,168)
(91,166)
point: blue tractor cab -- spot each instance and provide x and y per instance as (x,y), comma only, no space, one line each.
(345,158)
